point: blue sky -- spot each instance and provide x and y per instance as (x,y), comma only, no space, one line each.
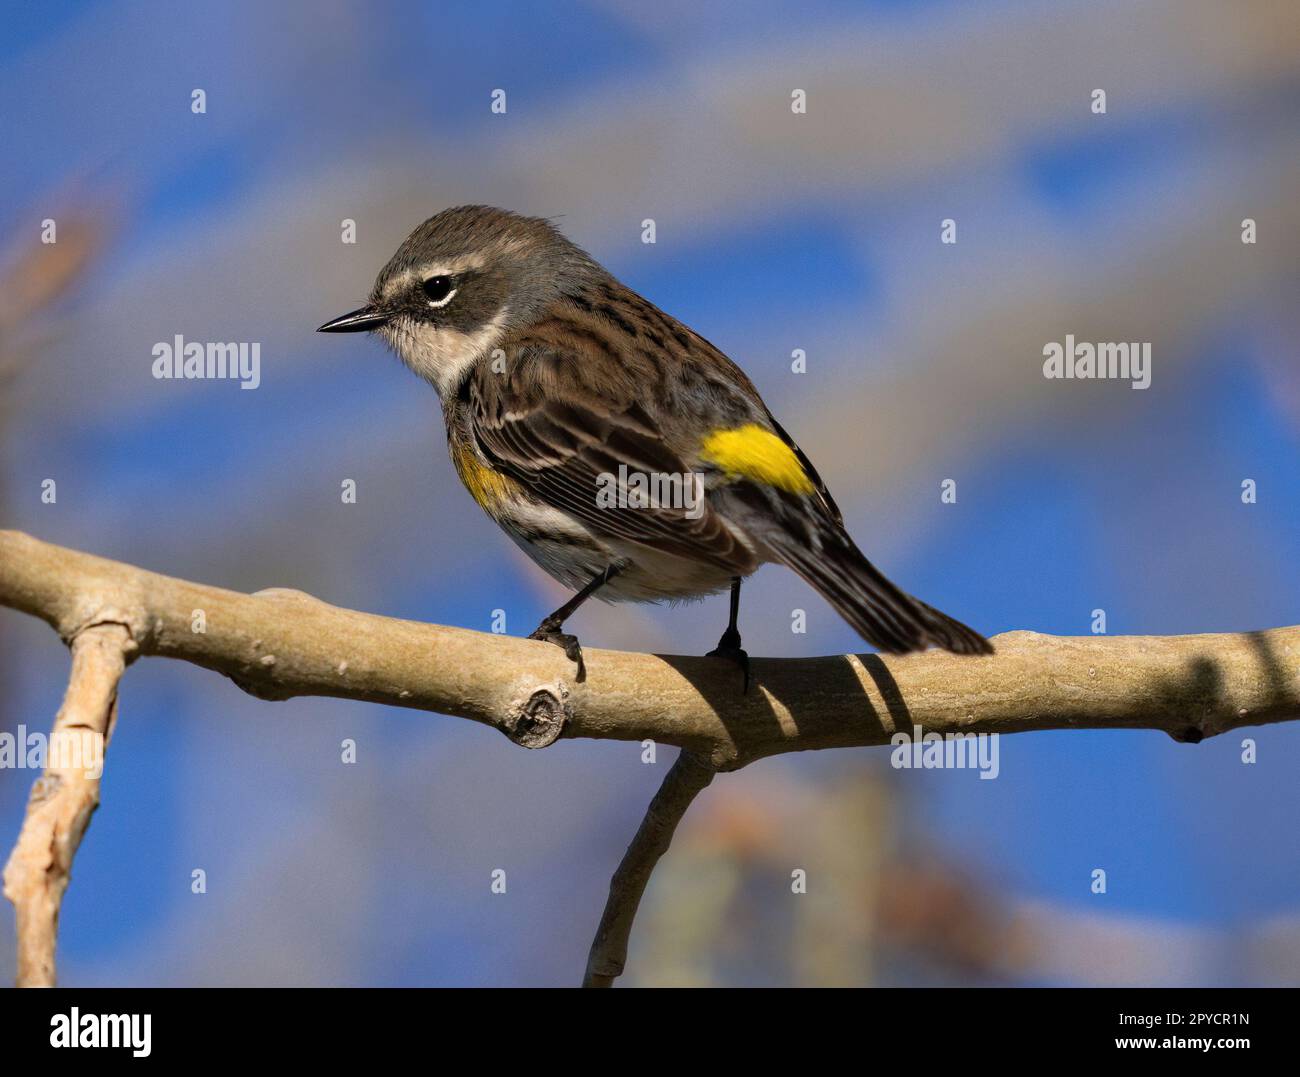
(1072,498)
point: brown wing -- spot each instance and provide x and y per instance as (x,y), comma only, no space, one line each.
(567,439)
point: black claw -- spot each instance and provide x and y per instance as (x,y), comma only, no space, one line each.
(567,643)
(729,648)
(729,645)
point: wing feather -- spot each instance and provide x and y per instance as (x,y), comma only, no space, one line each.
(563,440)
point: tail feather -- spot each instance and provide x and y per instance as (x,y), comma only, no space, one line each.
(950,634)
(877,610)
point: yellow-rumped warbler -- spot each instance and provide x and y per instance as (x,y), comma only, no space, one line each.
(621,450)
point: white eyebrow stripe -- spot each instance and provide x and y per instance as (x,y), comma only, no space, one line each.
(449,268)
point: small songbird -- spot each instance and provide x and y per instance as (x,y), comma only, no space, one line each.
(621,450)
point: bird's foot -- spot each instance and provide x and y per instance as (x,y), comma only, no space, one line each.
(549,632)
(729,648)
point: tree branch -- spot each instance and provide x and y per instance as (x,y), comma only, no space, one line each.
(689,775)
(64,798)
(277,644)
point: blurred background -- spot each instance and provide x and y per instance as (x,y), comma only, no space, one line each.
(775,231)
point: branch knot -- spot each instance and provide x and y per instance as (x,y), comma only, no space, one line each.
(538,721)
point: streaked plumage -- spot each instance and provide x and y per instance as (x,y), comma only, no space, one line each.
(552,374)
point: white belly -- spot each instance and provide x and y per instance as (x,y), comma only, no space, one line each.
(574,556)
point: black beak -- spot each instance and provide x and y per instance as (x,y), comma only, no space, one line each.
(357,321)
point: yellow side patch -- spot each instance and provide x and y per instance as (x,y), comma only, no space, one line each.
(750,452)
(489,488)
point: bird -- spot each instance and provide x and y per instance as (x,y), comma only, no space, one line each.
(625,454)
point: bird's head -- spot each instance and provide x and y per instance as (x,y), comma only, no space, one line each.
(459,282)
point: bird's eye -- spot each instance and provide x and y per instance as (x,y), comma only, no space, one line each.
(439,290)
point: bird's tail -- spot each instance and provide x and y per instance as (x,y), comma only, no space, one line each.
(878,611)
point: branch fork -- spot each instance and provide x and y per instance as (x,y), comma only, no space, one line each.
(280,643)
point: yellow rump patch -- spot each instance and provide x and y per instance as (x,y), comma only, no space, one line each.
(750,452)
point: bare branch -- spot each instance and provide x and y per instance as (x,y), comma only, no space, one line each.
(689,775)
(64,798)
(277,644)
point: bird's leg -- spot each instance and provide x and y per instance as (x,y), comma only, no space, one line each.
(729,645)
(549,629)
